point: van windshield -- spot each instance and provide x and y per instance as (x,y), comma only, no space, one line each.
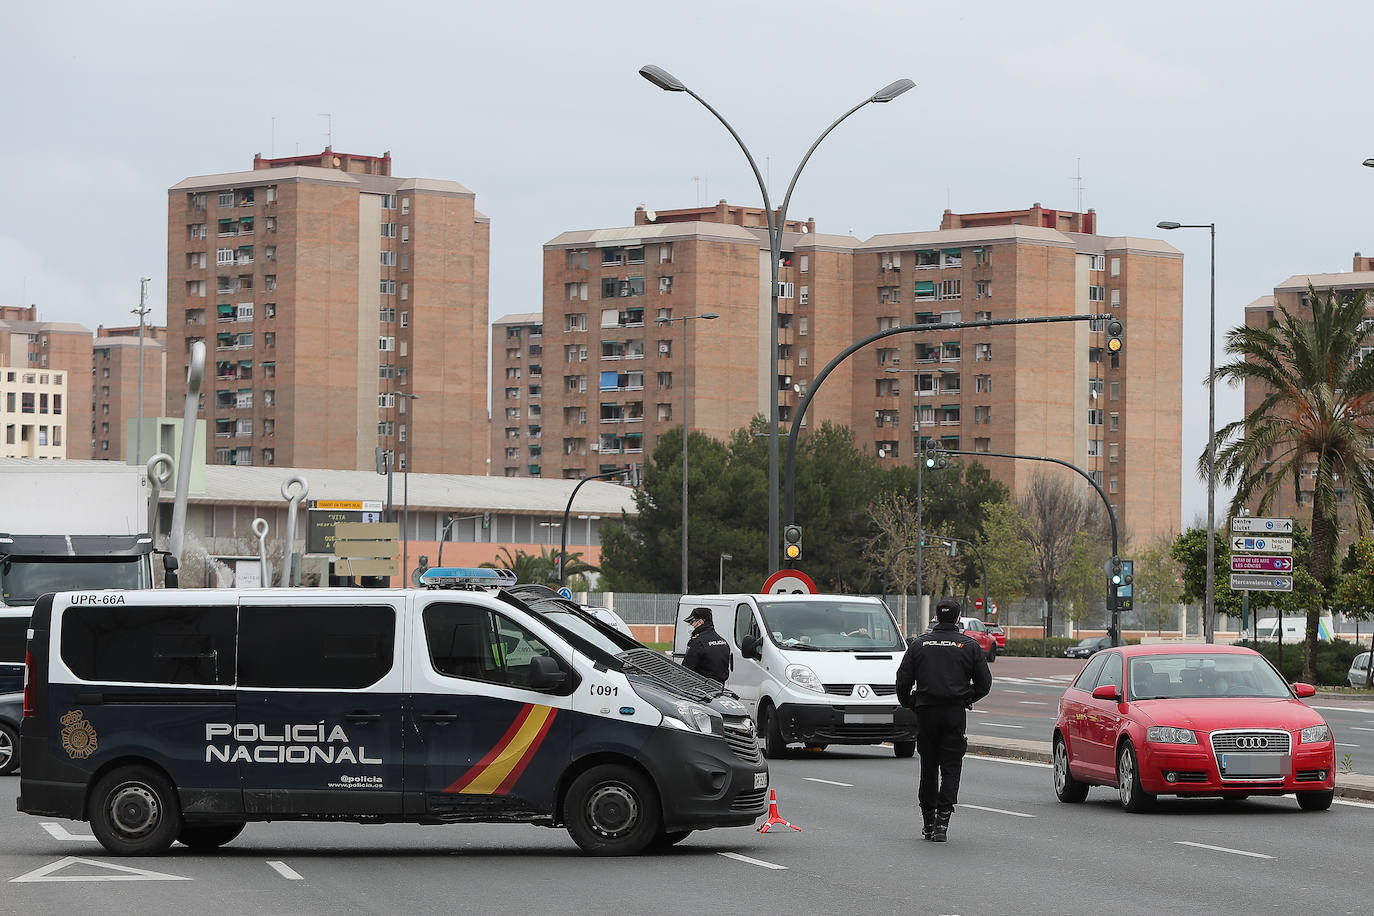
(830,624)
(23,580)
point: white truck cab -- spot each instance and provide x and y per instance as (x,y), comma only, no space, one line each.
(811,669)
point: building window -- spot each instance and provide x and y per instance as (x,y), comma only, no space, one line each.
(1097,294)
(984,289)
(1116,267)
(388,258)
(405,291)
(405,205)
(1116,298)
(387,287)
(386,344)
(388,201)
(1094,448)
(982,384)
(388,230)
(951,289)
(1094,416)
(1113,451)
(1114,421)
(1097,262)
(405,234)
(1115,391)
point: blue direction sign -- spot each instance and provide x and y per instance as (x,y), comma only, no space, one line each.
(1262,544)
(1255,563)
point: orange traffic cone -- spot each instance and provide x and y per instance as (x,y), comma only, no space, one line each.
(775,819)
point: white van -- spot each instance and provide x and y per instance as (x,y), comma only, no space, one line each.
(1294,628)
(171,715)
(812,669)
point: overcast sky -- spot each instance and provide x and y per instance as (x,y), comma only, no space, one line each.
(1253,116)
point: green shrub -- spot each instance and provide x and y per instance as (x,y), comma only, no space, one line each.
(1054,647)
(1331,662)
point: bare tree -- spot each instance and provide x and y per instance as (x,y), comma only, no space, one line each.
(1056,511)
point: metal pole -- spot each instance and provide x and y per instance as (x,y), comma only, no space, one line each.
(563,541)
(720,582)
(684,456)
(920,505)
(1212,447)
(138,434)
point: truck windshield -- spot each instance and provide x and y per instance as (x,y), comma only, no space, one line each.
(830,624)
(23,580)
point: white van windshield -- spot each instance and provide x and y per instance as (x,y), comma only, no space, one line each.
(830,624)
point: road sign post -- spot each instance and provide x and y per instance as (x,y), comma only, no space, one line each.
(1260,561)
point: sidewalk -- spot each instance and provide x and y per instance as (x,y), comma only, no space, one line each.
(1348,785)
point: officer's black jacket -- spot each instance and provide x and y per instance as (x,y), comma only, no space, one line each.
(943,667)
(708,654)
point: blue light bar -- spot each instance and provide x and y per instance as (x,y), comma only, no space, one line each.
(467,577)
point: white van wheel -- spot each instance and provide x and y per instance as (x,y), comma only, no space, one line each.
(774,747)
(135,812)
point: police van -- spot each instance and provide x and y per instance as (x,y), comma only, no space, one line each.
(813,669)
(162,716)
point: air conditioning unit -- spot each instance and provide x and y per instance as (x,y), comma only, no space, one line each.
(663,349)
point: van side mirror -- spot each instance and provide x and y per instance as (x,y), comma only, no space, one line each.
(546,674)
(170,565)
(751,646)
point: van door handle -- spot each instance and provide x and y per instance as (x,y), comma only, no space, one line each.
(364,717)
(443,718)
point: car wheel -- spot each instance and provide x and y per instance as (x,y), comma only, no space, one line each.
(1069,790)
(9,750)
(1133,798)
(992,653)
(774,748)
(135,812)
(612,810)
(904,748)
(1316,801)
(208,836)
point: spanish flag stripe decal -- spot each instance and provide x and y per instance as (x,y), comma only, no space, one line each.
(502,765)
(524,761)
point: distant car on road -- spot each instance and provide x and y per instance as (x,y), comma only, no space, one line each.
(1088,647)
(975,628)
(11,711)
(997,633)
(1358,675)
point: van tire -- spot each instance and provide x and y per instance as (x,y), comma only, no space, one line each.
(612,810)
(135,812)
(208,836)
(9,750)
(774,747)
(904,749)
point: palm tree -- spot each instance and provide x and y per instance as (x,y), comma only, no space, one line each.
(1318,407)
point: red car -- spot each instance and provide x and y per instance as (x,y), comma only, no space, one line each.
(974,627)
(1190,720)
(998,634)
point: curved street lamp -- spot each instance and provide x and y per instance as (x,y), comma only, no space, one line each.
(776,221)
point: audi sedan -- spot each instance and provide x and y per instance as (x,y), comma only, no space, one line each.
(1088,647)
(1190,720)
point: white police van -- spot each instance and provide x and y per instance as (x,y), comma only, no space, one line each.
(162,716)
(813,669)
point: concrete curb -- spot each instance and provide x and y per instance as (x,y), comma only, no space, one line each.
(1348,785)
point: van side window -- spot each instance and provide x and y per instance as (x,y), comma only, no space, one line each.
(745,625)
(480,645)
(156,645)
(340,647)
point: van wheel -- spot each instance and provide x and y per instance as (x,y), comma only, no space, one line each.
(774,748)
(904,748)
(612,810)
(9,750)
(135,812)
(208,836)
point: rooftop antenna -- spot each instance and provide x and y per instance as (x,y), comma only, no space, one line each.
(1078,179)
(272,146)
(696,185)
(329,132)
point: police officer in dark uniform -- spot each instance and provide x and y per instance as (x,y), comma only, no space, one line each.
(707,652)
(942,675)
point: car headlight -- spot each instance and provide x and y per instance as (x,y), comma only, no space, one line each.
(1315,734)
(691,717)
(803,676)
(1167,734)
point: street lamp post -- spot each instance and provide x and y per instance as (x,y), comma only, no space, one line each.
(709,316)
(567,510)
(141,311)
(405,492)
(776,221)
(720,581)
(920,500)
(1209,599)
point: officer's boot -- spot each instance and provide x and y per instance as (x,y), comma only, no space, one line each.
(928,823)
(940,830)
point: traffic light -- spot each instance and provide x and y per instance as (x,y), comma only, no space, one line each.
(486,520)
(791,542)
(951,548)
(934,457)
(1115,330)
(1125,592)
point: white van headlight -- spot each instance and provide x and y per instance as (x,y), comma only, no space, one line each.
(803,676)
(691,717)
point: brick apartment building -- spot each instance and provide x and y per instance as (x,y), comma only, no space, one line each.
(612,379)
(342,310)
(43,366)
(114,389)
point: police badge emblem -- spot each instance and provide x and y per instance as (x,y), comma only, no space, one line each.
(78,736)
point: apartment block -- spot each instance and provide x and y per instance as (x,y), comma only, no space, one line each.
(621,371)
(1293,294)
(38,360)
(115,403)
(343,310)
(517,385)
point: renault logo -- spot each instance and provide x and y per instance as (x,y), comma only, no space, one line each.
(863,690)
(1252,742)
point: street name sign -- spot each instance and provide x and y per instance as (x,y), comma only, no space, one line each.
(1262,545)
(1248,562)
(1246,524)
(1255,582)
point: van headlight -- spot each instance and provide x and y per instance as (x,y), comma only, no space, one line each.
(803,676)
(1316,734)
(690,717)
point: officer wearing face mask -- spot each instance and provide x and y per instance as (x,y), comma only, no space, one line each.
(708,653)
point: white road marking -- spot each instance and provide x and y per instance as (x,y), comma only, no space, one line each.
(995,810)
(1340,744)
(1009,690)
(1362,709)
(1359,728)
(286,871)
(748,861)
(1001,725)
(1012,761)
(1234,852)
(1033,702)
(113,872)
(1353,804)
(979,712)
(828,782)
(58,832)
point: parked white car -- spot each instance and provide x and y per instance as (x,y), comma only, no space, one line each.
(1358,675)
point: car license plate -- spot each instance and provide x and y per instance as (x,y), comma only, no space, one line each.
(867,718)
(761,780)
(1255,766)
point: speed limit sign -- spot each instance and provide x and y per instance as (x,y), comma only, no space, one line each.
(788,582)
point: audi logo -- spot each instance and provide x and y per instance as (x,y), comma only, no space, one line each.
(1252,742)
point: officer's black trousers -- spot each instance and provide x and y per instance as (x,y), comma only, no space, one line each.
(941,743)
